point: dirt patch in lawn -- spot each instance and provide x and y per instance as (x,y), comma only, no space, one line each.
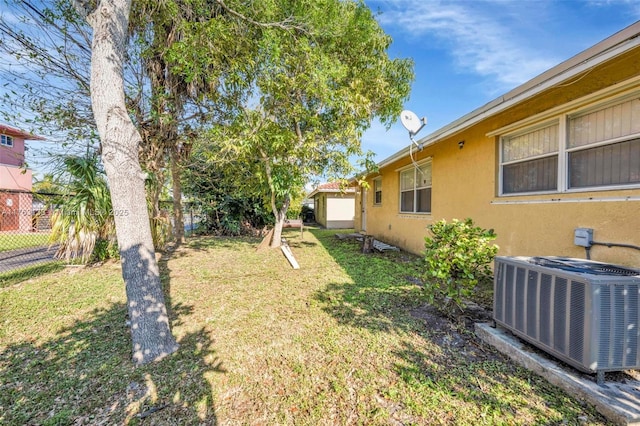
(456,338)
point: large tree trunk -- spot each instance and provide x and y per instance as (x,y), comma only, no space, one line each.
(280,215)
(276,240)
(150,331)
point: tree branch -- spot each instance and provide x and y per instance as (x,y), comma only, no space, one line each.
(287,24)
(267,167)
(84,7)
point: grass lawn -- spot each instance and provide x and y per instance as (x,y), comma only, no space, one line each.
(346,339)
(17,275)
(11,241)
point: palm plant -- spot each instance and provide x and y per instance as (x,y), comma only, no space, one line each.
(84,219)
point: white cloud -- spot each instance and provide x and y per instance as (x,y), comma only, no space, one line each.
(482,37)
(633,6)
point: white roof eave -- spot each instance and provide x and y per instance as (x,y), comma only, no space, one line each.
(607,49)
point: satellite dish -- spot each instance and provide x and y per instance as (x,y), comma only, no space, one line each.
(411,122)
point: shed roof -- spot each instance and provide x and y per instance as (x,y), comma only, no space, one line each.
(331,187)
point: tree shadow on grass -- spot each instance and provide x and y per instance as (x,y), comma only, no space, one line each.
(16,276)
(436,358)
(203,243)
(85,376)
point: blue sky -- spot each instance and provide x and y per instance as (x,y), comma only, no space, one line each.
(468,53)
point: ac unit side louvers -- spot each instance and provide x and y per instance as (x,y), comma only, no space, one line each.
(584,313)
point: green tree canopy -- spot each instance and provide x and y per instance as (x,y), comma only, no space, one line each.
(315,89)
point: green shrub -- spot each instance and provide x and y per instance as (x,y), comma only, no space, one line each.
(85,214)
(230,225)
(104,250)
(458,255)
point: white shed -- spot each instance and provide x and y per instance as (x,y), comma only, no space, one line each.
(334,207)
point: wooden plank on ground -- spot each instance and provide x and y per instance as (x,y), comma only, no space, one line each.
(289,255)
(265,241)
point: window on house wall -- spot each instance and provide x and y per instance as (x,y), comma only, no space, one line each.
(377,190)
(6,140)
(604,146)
(530,161)
(415,189)
(598,147)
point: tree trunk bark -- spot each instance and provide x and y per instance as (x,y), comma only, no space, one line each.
(150,330)
(367,244)
(276,240)
(280,216)
(153,193)
(178,217)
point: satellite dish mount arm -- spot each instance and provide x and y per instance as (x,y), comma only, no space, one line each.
(413,124)
(423,122)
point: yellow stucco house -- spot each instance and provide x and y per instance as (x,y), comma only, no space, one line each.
(557,153)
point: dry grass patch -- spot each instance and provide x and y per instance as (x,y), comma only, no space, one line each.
(346,339)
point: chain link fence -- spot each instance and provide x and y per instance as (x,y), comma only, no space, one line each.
(25,229)
(192,215)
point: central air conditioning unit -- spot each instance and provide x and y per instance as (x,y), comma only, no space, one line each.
(585,313)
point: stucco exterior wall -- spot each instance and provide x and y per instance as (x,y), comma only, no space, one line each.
(15,178)
(339,224)
(320,209)
(340,207)
(465,184)
(335,211)
(13,156)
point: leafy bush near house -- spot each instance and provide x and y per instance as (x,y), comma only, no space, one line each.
(457,256)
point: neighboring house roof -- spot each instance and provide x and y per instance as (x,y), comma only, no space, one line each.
(574,67)
(332,187)
(12,131)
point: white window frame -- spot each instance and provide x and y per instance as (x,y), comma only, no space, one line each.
(506,137)
(377,187)
(6,140)
(415,168)
(563,120)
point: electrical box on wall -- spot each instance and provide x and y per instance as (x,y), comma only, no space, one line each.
(583,237)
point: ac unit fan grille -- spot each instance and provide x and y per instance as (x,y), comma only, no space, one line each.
(560,313)
(583,266)
(545,309)
(576,320)
(591,321)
